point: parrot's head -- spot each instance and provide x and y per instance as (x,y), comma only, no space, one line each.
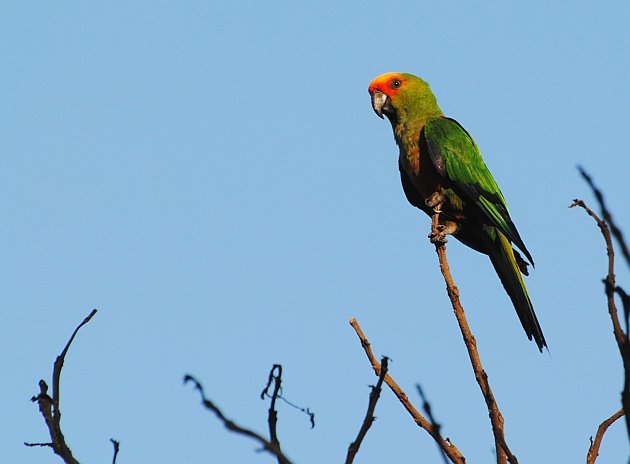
(402,96)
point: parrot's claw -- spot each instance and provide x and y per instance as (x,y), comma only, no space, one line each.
(438,236)
(435,202)
(438,239)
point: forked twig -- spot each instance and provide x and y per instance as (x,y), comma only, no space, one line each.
(369,415)
(277,395)
(599,196)
(267,445)
(609,281)
(610,288)
(593,450)
(449,448)
(272,418)
(116,445)
(428,410)
(49,407)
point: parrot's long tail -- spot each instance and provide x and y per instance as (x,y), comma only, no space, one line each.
(505,264)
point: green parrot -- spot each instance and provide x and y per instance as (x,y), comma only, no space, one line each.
(440,162)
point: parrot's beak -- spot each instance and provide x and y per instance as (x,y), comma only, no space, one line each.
(380,103)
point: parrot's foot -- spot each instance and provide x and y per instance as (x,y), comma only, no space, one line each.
(439,236)
(440,226)
(435,202)
(440,231)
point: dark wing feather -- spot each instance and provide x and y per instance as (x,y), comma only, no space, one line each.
(457,158)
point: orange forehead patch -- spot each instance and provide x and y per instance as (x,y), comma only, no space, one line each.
(381,83)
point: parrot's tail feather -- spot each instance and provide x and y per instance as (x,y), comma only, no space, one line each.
(506,265)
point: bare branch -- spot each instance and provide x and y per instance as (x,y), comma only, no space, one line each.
(625,302)
(307,411)
(496,418)
(276,379)
(593,450)
(609,281)
(33,445)
(277,394)
(116,445)
(232,426)
(427,409)
(606,214)
(369,415)
(49,407)
(449,448)
(610,287)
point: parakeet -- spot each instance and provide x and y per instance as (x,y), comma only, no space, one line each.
(439,160)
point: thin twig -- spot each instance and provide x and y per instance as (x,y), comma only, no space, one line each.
(43,445)
(279,396)
(232,426)
(116,445)
(496,418)
(49,407)
(609,281)
(369,415)
(606,214)
(625,302)
(593,450)
(427,409)
(610,286)
(272,419)
(449,448)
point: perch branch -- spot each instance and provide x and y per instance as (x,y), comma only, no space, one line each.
(593,450)
(496,418)
(49,407)
(369,415)
(449,448)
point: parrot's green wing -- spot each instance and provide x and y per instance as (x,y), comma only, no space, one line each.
(456,157)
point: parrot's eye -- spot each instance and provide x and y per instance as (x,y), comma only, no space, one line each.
(395,83)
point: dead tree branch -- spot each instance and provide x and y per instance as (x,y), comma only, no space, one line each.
(449,448)
(610,288)
(49,407)
(267,445)
(593,450)
(609,281)
(277,394)
(369,415)
(496,418)
(599,196)
(276,379)
(427,409)
(116,445)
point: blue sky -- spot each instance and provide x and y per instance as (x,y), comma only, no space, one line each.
(211,177)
